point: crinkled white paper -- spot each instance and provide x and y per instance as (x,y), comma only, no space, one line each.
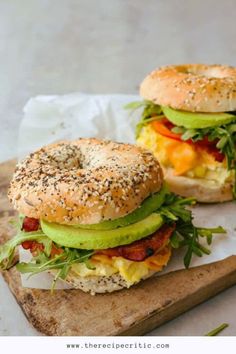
(52,118)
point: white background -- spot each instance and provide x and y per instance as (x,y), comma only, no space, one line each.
(105,46)
(108,345)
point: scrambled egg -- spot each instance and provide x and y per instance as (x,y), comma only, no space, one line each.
(131,271)
(184,158)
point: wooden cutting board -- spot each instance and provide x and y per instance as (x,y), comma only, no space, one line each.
(134,311)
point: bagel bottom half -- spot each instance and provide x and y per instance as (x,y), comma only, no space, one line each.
(103,284)
(203,190)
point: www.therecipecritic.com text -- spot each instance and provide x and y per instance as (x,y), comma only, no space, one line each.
(136,345)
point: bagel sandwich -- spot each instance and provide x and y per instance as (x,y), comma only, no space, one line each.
(189,123)
(98,215)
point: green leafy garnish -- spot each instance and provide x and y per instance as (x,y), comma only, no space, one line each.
(217,330)
(7,250)
(135,105)
(186,234)
(61,262)
(42,260)
(150,113)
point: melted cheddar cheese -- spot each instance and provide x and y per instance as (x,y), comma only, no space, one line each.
(184,158)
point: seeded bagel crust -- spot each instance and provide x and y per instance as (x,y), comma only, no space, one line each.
(97,285)
(101,284)
(84,181)
(192,87)
(203,190)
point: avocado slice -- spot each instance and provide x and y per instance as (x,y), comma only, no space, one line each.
(148,206)
(193,120)
(74,237)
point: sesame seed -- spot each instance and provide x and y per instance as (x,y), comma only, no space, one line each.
(83,177)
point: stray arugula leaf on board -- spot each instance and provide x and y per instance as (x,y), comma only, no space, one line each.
(217,330)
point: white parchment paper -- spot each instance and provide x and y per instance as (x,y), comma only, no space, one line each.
(52,118)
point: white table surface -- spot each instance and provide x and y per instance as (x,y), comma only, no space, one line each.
(49,47)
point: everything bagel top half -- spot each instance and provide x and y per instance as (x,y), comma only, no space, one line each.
(188,123)
(85,181)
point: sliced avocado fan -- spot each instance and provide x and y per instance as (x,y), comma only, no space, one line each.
(74,237)
(192,120)
(148,206)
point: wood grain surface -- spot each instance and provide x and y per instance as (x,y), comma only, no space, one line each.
(134,311)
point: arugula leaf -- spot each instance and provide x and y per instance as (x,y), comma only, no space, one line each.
(42,261)
(7,250)
(62,262)
(186,234)
(217,330)
(135,105)
(150,113)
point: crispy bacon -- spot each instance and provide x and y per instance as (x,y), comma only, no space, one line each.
(140,250)
(30,224)
(35,247)
(210,148)
(55,250)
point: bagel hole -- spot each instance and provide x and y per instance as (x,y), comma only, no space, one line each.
(214,73)
(67,164)
(65,157)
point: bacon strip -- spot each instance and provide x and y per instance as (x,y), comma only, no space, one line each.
(30,224)
(210,148)
(33,246)
(140,250)
(36,247)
